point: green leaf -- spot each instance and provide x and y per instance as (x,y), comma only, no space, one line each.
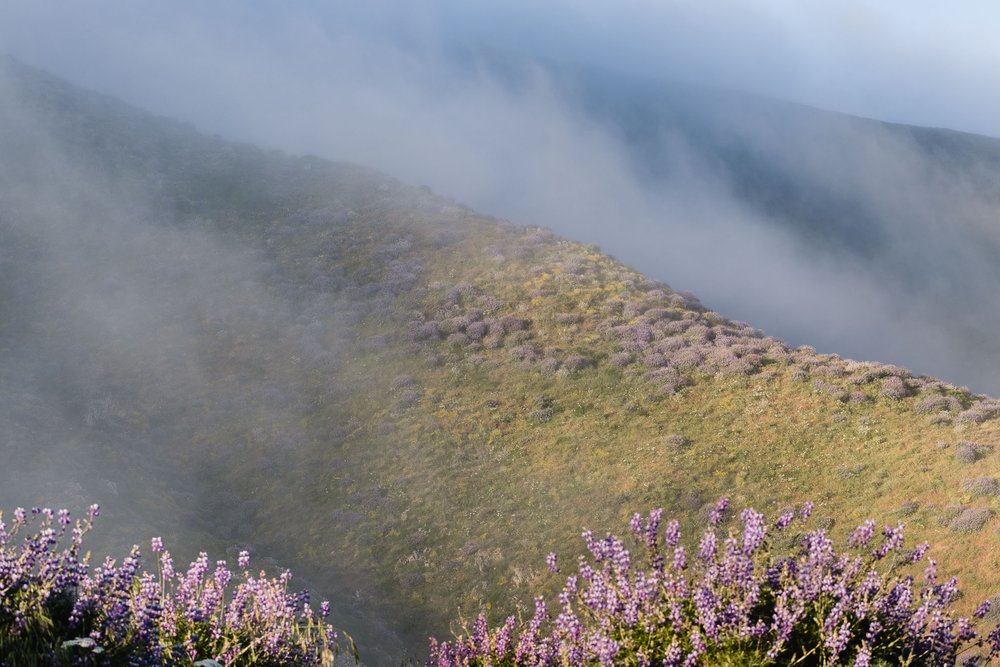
(83,642)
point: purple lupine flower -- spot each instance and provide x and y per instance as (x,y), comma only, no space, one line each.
(680,559)
(863,534)
(624,606)
(156,545)
(754,530)
(864,657)
(672,536)
(784,521)
(892,538)
(243,561)
(707,547)
(552,562)
(715,516)
(652,526)
(919,552)
(635,525)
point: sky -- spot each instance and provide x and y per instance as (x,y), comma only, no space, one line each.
(916,61)
(422,90)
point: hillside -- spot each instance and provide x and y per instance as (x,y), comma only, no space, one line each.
(410,402)
(891,227)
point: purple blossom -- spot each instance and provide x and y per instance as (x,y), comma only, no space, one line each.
(551,562)
(784,521)
(715,517)
(147,618)
(737,596)
(863,534)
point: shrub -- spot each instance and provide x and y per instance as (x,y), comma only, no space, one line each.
(970,452)
(700,333)
(459,293)
(526,352)
(858,396)
(640,333)
(491,304)
(55,610)
(866,372)
(408,398)
(420,331)
(655,314)
(687,358)
(728,364)
(940,419)
(510,324)
(476,330)
(676,440)
(634,346)
(982,486)
(458,340)
(575,362)
(894,388)
(971,520)
(620,359)
(541,415)
(800,373)
(568,318)
(980,412)
(735,602)
(452,325)
(654,360)
(493,341)
(949,512)
(937,403)
(668,345)
(549,364)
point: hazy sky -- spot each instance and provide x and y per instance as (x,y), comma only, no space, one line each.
(914,61)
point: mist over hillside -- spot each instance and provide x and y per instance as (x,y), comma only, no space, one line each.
(147,324)
(623,128)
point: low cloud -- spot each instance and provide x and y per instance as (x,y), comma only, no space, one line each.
(462,97)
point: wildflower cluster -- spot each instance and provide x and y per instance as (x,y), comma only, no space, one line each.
(737,601)
(55,610)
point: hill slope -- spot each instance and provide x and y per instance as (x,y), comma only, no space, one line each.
(407,401)
(880,237)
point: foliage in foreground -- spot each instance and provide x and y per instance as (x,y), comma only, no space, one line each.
(55,611)
(738,601)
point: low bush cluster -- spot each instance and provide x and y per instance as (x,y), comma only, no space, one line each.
(739,600)
(56,610)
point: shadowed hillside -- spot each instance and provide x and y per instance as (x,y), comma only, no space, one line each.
(408,402)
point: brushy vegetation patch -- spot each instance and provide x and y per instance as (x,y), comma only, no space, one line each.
(55,610)
(739,601)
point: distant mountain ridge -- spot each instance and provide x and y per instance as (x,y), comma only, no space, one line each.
(409,402)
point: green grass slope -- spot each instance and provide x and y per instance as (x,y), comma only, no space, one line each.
(410,402)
